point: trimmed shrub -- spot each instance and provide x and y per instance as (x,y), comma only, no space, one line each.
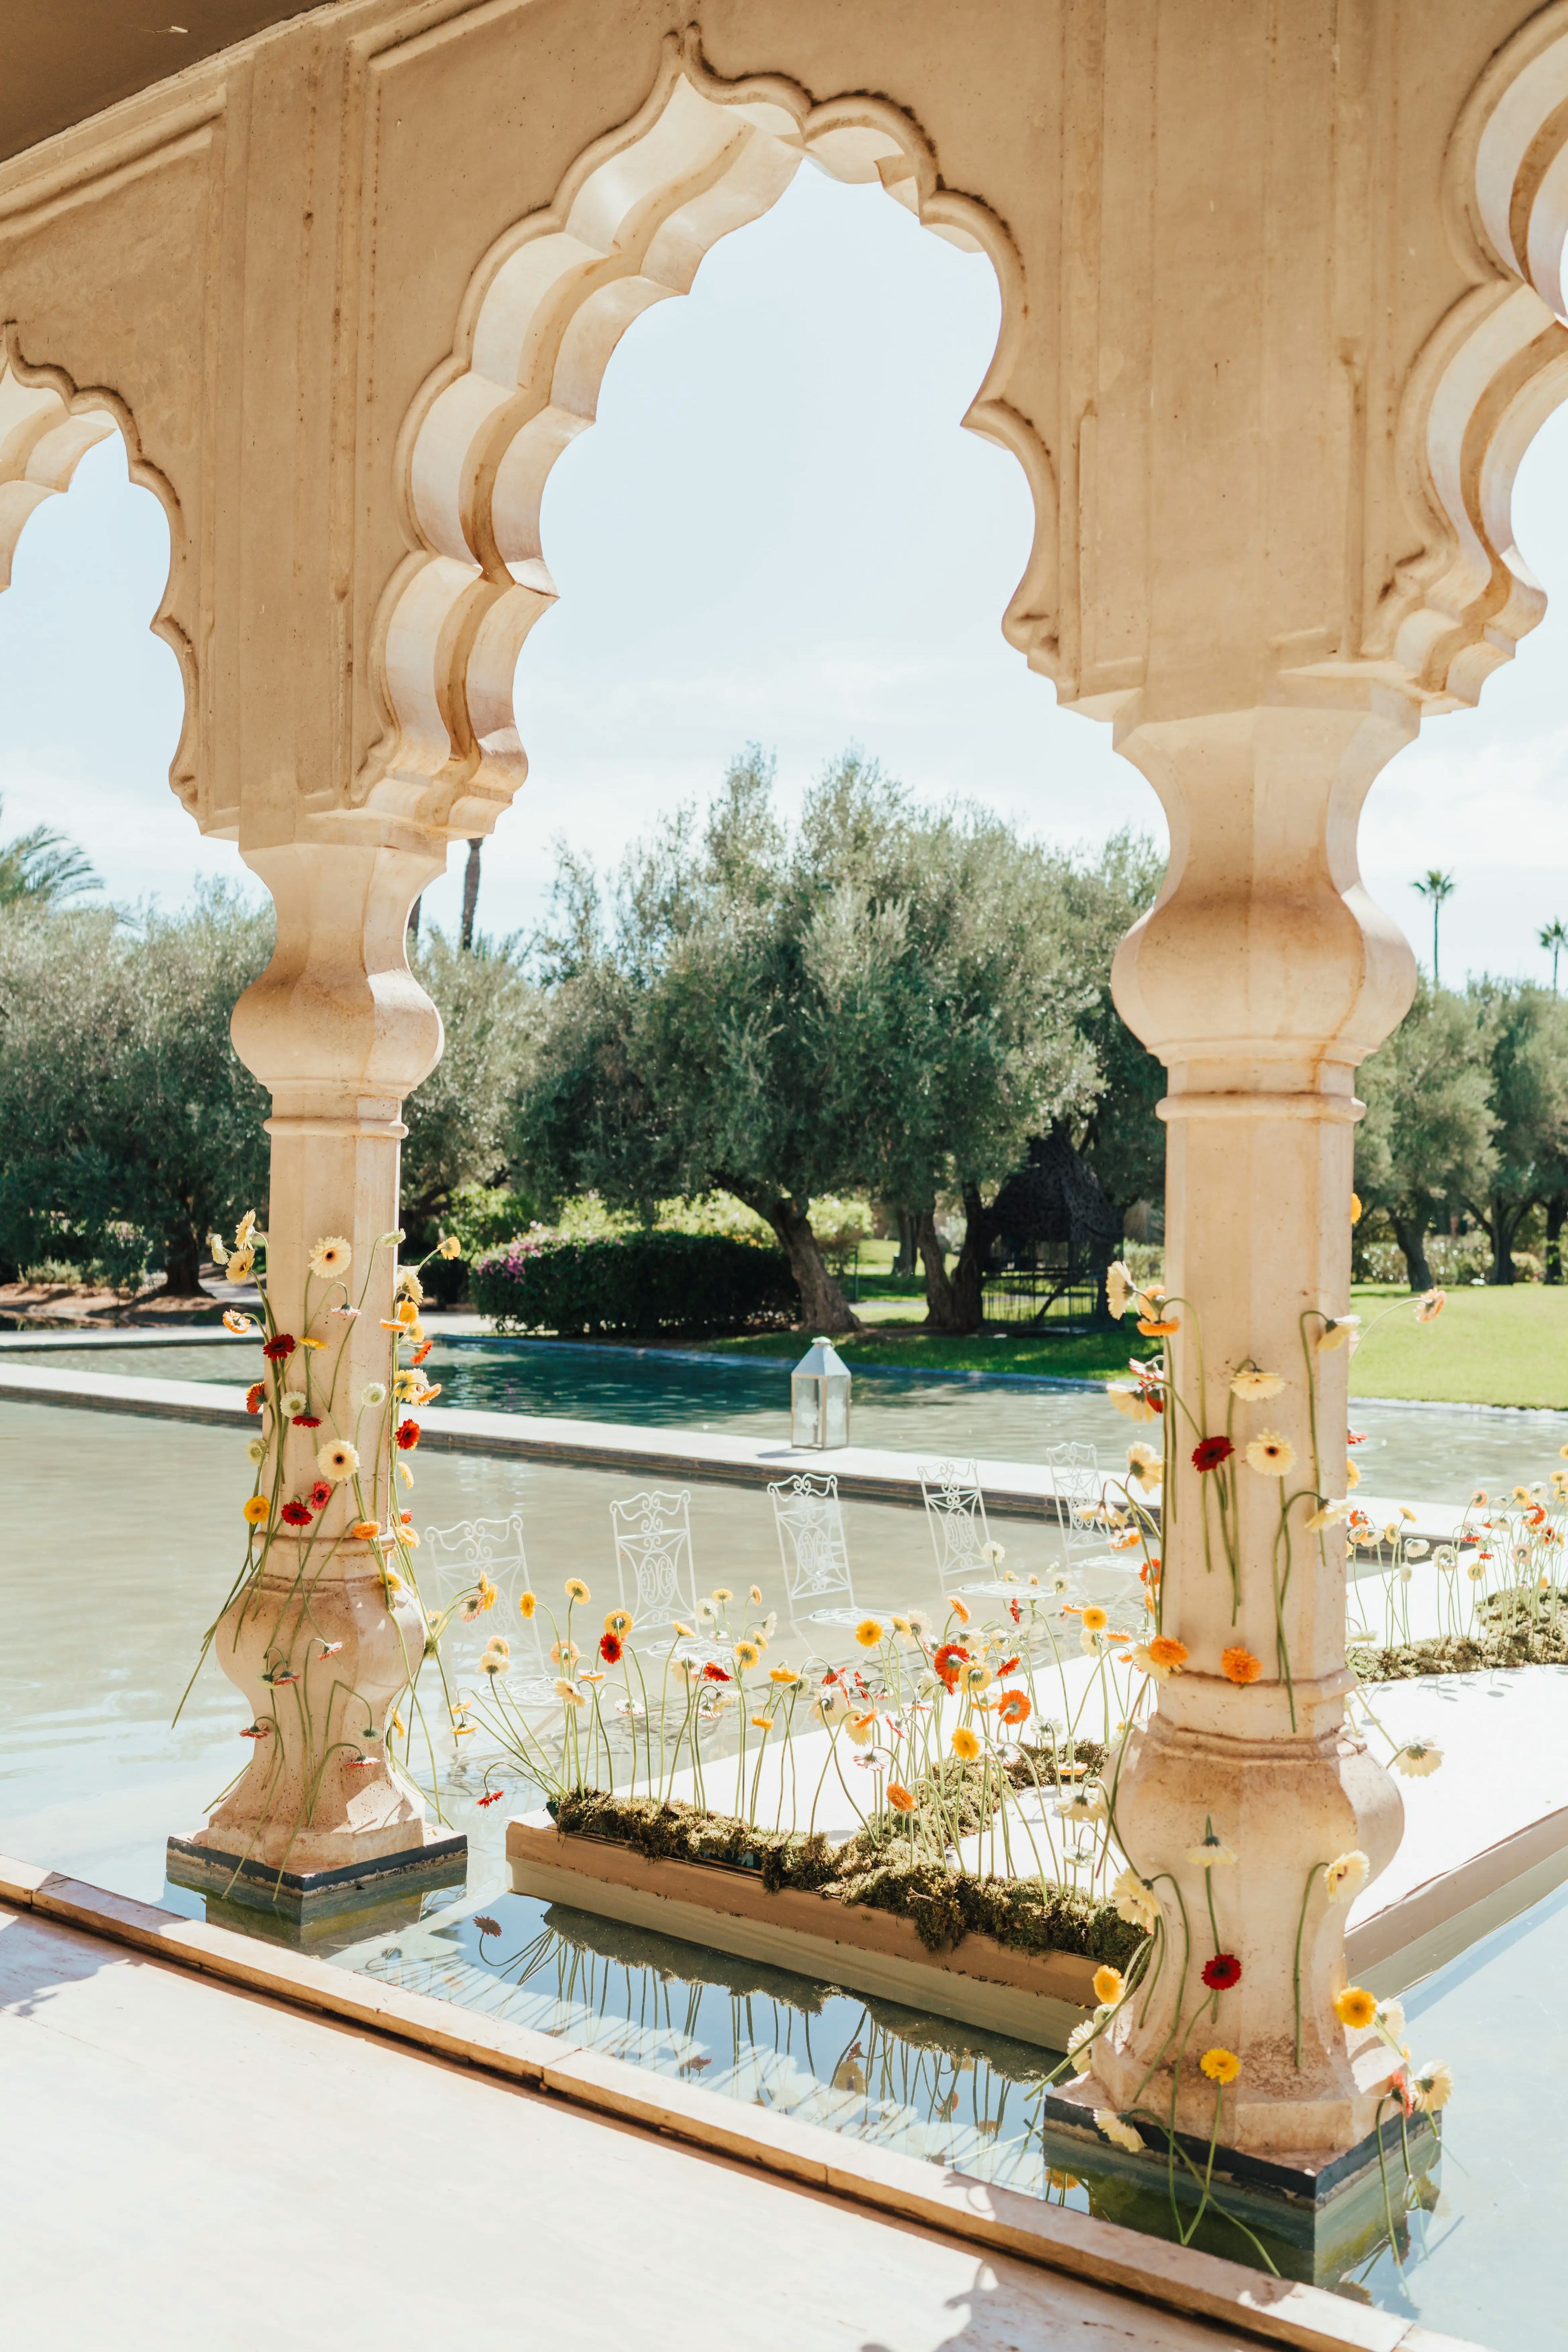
(633,1282)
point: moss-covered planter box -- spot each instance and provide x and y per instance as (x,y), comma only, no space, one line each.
(1036,1997)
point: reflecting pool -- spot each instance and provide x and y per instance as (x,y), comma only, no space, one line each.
(121,1539)
(1434,1452)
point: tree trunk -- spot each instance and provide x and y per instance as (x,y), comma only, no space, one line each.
(954,1301)
(470,895)
(968,1274)
(1504,1224)
(908,1247)
(181,1268)
(824,1307)
(1556,1211)
(1410,1233)
(941,1304)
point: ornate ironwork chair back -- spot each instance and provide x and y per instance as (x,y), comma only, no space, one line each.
(653,1548)
(955,1515)
(809,1521)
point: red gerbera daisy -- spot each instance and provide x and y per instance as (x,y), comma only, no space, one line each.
(253,1396)
(295,1515)
(407,1434)
(949,1658)
(307,1421)
(321,1494)
(491,1797)
(610,1649)
(487,1927)
(1223,1972)
(713,1674)
(278,1348)
(1210,1451)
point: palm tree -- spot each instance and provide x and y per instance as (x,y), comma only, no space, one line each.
(42,868)
(1556,937)
(470,894)
(1436,888)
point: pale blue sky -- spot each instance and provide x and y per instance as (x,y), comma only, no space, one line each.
(776,531)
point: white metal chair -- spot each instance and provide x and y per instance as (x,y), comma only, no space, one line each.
(458,1556)
(1079,1487)
(653,1545)
(809,1521)
(955,1515)
(1088,1525)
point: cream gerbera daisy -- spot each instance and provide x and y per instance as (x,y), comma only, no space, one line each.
(1252,1385)
(337,1459)
(1271,1455)
(331,1256)
(1346,1876)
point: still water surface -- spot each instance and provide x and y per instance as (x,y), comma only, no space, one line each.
(1434,1452)
(121,1539)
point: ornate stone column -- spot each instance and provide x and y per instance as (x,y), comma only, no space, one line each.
(318,1641)
(1260,978)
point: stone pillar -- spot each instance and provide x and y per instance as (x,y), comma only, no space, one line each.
(339,1030)
(1260,978)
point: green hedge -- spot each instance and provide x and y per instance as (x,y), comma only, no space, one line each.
(634,1281)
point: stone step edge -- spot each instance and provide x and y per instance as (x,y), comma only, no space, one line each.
(1176,2278)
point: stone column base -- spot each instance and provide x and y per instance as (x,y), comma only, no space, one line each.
(441,1859)
(1320,2217)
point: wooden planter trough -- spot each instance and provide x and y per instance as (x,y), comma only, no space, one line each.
(1036,1997)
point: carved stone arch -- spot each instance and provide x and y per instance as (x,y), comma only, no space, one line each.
(627,227)
(1492,371)
(46,427)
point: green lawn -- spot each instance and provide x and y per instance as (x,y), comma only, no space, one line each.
(1488,1347)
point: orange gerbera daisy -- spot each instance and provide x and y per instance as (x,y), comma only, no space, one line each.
(1016,1707)
(1239,1666)
(1166,1651)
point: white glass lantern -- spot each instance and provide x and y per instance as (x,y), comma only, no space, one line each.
(820,1398)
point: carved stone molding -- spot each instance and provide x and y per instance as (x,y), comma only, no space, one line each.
(46,427)
(628,226)
(1490,373)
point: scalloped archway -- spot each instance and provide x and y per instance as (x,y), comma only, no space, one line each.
(1492,371)
(628,226)
(46,427)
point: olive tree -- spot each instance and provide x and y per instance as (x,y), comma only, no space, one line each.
(1426,1142)
(122,1103)
(873,1000)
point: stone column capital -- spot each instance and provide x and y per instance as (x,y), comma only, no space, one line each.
(1264,968)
